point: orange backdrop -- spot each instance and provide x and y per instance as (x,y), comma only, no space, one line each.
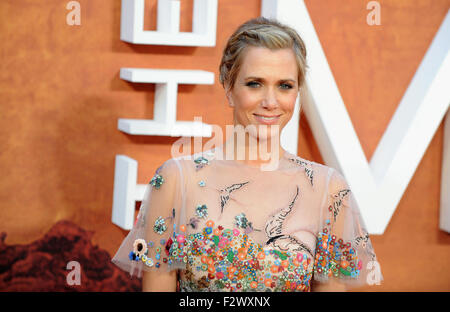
(61,96)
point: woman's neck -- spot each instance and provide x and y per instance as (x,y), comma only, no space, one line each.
(259,152)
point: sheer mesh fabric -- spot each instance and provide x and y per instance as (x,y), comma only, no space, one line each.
(229,226)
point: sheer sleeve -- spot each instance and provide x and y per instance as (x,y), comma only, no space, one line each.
(156,241)
(344,251)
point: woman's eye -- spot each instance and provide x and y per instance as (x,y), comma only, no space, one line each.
(253,84)
(286,86)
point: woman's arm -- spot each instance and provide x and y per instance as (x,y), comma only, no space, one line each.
(164,211)
(343,247)
(159,281)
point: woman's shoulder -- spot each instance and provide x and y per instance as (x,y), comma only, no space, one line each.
(185,162)
(312,167)
(332,179)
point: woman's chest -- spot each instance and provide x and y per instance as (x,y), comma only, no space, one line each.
(257,202)
(248,234)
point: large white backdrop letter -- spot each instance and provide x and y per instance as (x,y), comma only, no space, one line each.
(164,123)
(379,185)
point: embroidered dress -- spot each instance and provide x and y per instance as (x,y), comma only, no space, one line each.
(228,226)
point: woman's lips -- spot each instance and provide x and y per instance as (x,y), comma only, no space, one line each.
(267,120)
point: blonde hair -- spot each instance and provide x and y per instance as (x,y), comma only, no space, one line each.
(260,32)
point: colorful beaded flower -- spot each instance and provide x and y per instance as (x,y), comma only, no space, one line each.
(201,211)
(160,226)
(133,256)
(335,257)
(241,221)
(200,162)
(140,247)
(157,181)
(147,261)
(230,260)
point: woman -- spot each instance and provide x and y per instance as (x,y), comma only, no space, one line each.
(214,222)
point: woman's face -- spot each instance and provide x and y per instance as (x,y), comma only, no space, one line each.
(265,89)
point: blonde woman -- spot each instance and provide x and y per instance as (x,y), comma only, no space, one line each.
(215,221)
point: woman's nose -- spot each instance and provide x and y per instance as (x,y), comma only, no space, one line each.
(270,99)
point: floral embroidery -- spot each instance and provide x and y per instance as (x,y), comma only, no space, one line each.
(243,223)
(201,211)
(335,257)
(241,220)
(157,181)
(140,247)
(160,225)
(133,256)
(200,162)
(140,252)
(229,260)
(147,261)
(201,183)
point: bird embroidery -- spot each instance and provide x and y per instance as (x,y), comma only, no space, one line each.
(225,193)
(274,230)
(362,239)
(337,201)
(307,167)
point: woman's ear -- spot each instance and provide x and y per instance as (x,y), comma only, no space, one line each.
(230,98)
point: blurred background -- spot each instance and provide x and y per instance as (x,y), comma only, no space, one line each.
(61,96)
